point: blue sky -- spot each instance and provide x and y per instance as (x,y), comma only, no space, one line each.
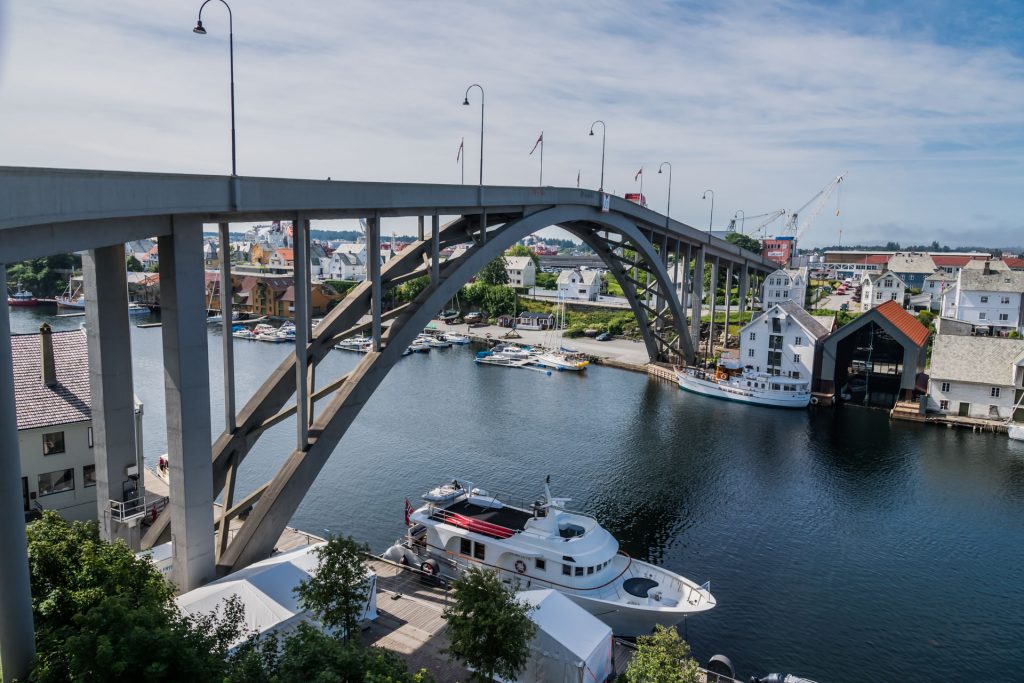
(764,102)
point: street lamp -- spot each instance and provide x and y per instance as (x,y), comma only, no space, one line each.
(711,218)
(743,219)
(465,102)
(231,53)
(603,131)
(668,208)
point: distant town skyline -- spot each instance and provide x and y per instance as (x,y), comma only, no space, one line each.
(764,103)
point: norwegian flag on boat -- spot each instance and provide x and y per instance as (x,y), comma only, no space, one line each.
(408,512)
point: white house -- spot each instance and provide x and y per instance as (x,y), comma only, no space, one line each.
(785,284)
(521,271)
(579,283)
(348,262)
(987,296)
(979,377)
(319,263)
(53,402)
(936,284)
(782,340)
(881,287)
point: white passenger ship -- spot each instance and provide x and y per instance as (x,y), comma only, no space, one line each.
(543,545)
(732,382)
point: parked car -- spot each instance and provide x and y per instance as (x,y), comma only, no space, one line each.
(472,317)
(604,336)
(844,306)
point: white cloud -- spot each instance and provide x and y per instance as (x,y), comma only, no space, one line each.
(762,103)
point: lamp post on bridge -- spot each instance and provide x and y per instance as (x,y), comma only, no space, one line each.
(465,102)
(743,219)
(231,55)
(711,218)
(603,131)
(668,207)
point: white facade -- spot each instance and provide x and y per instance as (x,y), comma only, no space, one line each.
(579,283)
(348,262)
(521,271)
(781,341)
(979,377)
(935,286)
(881,287)
(993,299)
(58,469)
(785,284)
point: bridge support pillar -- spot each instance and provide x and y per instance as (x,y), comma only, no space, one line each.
(712,301)
(300,234)
(108,339)
(435,249)
(728,303)
(17,635)
(187,392)
(697,296)
(373,256)
(744,287)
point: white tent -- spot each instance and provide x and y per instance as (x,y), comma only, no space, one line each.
(267,592)
(571,645)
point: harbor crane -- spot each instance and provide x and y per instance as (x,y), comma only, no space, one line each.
(814,205)
(768,219)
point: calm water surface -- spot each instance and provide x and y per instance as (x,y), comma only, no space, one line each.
(840,546)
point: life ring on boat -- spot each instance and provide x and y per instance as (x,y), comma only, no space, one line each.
(814,400)
(520,566)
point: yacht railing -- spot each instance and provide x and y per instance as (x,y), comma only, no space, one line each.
(528,504)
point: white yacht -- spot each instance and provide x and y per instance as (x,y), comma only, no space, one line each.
(563,359)
(544,545)
(732,382)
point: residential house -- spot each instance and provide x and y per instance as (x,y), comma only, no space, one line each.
(139,248)
(785,284)
(283,259)
(322,298)
(936,284)
(912,267)
(782,340)
(521,270)
(535,321)
(881,287)
(319,262)
(260,253)
(981,377)
(990,296)
(579,283)
(274,295)
(348,262)
(211,257)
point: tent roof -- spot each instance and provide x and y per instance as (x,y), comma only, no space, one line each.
(563,620)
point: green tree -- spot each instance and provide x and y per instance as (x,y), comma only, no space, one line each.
(494,273)
(744,241)
(487,628)
(337,592)
(662,657)
(523,250)
(133,264)
(548,280)
(411,289)
(500,300)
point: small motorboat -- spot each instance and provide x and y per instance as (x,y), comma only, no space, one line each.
(22,297)
(457,339)
(137,309)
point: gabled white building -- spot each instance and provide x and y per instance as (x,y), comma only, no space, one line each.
(785,284)
(783,340)
(936,284)
(521,271)
(579,283)
(881,287)
(979,377)
(987,296)
(348,262)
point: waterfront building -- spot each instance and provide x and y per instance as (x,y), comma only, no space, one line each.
(989,296)
(881,287)
(785,284)
(980,377)
(521,271)
(782,340)
(579,283)
(274,295)
(535,321)
(912,267)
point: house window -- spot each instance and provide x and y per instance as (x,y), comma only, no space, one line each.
(888,283)
(796,357)
(799,341)
(540,563)
(893,297)
(984,299)
(479,551)
(1004,316)
(88,476)
(55,482)
(753,336)
(982,315)
(878,296)
(750,353)
(943,405)
(995,392)
(944,387)
(53,443)
(774,358)
(1004,300)
(465,546)
(776,325)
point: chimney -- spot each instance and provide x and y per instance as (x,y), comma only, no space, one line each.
(49,372)
(986,270)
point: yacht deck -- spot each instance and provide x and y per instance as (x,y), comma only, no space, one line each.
(496,522)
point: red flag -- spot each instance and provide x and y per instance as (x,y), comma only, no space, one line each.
(539,141)
(638,173)
(408,512)
(462,143)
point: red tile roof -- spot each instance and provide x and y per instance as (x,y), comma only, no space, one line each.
(1014,263)
(70,400)
(943,261)
(904,322)
(874,259)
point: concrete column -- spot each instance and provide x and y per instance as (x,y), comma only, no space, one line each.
(712,296)
(697,296)
(108,340)
(728,299)
(373,255)
(17,634)
(300,234)
(187,392)
(420,233)
(226,325)
(435,249)
(744,286)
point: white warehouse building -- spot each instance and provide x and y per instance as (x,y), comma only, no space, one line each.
(782,341)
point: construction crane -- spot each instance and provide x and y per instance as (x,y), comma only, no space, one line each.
(769,217)
(793,225)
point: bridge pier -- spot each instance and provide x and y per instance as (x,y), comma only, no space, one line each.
(187,391)
(17,634)
(744,287)
(108,339)
(697,295)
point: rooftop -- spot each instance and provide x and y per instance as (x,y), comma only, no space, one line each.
(904,322)
(814,327)
(70,400)
(981,360)
(911,262)
(999,281)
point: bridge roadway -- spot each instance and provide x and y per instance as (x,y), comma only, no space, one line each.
(658,262)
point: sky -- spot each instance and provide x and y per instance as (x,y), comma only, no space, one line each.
(920,103)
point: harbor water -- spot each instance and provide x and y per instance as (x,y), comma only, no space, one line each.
(840,546)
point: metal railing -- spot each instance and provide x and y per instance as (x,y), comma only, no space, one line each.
(126,510)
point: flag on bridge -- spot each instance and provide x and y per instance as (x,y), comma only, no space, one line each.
(462,143)
(638,173)
(577,179)
(408,512)
(540,141)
